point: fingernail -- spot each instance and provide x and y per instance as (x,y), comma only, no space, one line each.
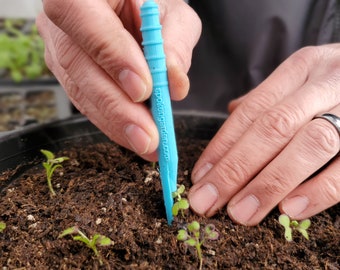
(203,199)
(294,206)
(133,85)
(201,172)
(244,210)
(138,139)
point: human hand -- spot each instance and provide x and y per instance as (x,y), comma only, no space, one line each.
(270,150)
(93,49)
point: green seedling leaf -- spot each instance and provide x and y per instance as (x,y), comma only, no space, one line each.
(303,232)
(210,232)
(294,224)
(178,192)
(83,239)
(209,228)
(288,234)
(181,189)
(60,159)
(284,220)
(191,242)
(305,224)
(104,241)
(68,231)
(194,226)
(183,204)
(175,209)
(2,226)
(213,236)
(182,235)
(48,154)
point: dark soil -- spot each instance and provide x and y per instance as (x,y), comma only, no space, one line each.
(108,190)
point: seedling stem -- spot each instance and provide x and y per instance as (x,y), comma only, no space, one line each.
(50,165)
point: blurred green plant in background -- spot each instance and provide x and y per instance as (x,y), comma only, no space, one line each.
(21,51)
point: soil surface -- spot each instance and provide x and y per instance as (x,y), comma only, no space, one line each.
(108,190)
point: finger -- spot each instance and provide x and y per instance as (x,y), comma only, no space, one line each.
(287,78)
(315,195)
(314,145)
(98,97)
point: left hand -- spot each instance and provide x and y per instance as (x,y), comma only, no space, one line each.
(93,49)
(270,150)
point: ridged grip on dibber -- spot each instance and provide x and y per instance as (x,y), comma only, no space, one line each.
(160,101)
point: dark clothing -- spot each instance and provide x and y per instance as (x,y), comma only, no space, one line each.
(243,41)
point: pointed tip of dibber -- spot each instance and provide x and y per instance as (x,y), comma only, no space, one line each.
(169,186)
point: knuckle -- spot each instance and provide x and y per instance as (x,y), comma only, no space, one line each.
(232,173)
(72,89)
(109,107)
(307,52)
(101,52)
(251,107)
(278,124)
(55,10)
(66,51)
(302,58)
(48,59)
(331,189)
(322,137)
(278,184)
(74,93)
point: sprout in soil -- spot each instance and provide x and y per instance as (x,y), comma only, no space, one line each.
(2,226)
(192,235)
(92,242)
(50,165)
(290,225)
(181,204)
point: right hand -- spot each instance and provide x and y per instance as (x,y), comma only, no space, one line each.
(93,49)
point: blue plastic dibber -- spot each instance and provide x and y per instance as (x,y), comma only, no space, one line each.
(160,101)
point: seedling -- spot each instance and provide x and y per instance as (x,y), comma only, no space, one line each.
(181,204)
(290,225)
(194,238)
(2,226)
(192,235)
(50,165)
(92,242)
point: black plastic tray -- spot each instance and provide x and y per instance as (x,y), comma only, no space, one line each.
(23,147)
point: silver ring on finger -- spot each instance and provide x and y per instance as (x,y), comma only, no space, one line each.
(331,118)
